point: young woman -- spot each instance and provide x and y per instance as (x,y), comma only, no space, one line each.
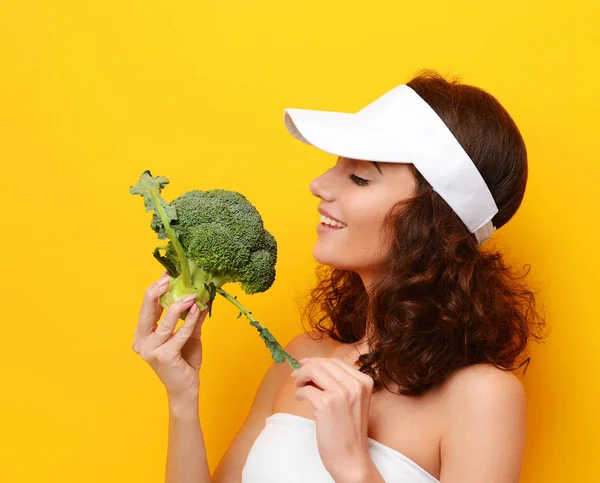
(414,327)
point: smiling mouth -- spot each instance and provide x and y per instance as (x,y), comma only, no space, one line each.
(332,223)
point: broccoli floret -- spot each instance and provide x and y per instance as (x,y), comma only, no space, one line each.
(215,237)
(224,240)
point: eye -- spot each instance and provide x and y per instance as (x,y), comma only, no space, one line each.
(358,181)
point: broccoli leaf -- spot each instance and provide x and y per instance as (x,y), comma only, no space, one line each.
(169,263)
(271,343)
(147,186)
(212,293)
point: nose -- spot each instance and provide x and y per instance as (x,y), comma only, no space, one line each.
(322,187)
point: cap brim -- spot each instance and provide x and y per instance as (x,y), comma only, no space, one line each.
(342,134)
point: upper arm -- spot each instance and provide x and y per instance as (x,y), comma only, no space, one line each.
(485,436)
(230,467)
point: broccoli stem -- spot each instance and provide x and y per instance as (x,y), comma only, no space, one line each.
(279,355)
(183,262)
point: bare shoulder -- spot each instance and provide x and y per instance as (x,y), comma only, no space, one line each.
(483,380)
(311,344)
(485,424)
(486,391)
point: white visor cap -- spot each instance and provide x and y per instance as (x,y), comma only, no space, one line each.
(400,127)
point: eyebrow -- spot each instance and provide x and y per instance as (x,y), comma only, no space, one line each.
(377,166)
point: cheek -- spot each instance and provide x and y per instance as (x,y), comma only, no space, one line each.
(364,232)
(364,239)
(365,220)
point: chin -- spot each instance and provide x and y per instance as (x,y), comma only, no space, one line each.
(329,257)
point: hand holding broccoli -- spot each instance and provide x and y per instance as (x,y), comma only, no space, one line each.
(215,237)
(176,358)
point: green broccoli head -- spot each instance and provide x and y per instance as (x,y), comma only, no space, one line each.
(215,237)
(223,234)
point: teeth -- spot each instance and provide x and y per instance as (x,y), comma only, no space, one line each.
(329,221)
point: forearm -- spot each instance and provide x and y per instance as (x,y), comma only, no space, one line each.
(186,453)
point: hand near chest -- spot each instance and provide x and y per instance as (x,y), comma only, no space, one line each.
(340,396)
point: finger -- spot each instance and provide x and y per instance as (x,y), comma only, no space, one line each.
(314,371)
(167,324)
(192,322)
(312,395)
(197,328)
(346,378)
(151,309)
(352,370)
(346,384)
(364,379)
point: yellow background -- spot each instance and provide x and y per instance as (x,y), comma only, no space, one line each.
(93,93)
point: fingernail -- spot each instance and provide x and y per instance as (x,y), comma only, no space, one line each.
(188,299)
(294,373)
(162,282)
(302,361)
(194,309)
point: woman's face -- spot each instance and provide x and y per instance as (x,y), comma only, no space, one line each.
(359,194)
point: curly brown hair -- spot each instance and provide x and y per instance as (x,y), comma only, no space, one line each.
(441,301)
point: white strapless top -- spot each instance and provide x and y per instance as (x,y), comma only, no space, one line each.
(286,451)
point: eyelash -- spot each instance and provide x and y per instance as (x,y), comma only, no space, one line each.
(358,181)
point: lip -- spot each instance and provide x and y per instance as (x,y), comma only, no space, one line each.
(322,228)
(325,213)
